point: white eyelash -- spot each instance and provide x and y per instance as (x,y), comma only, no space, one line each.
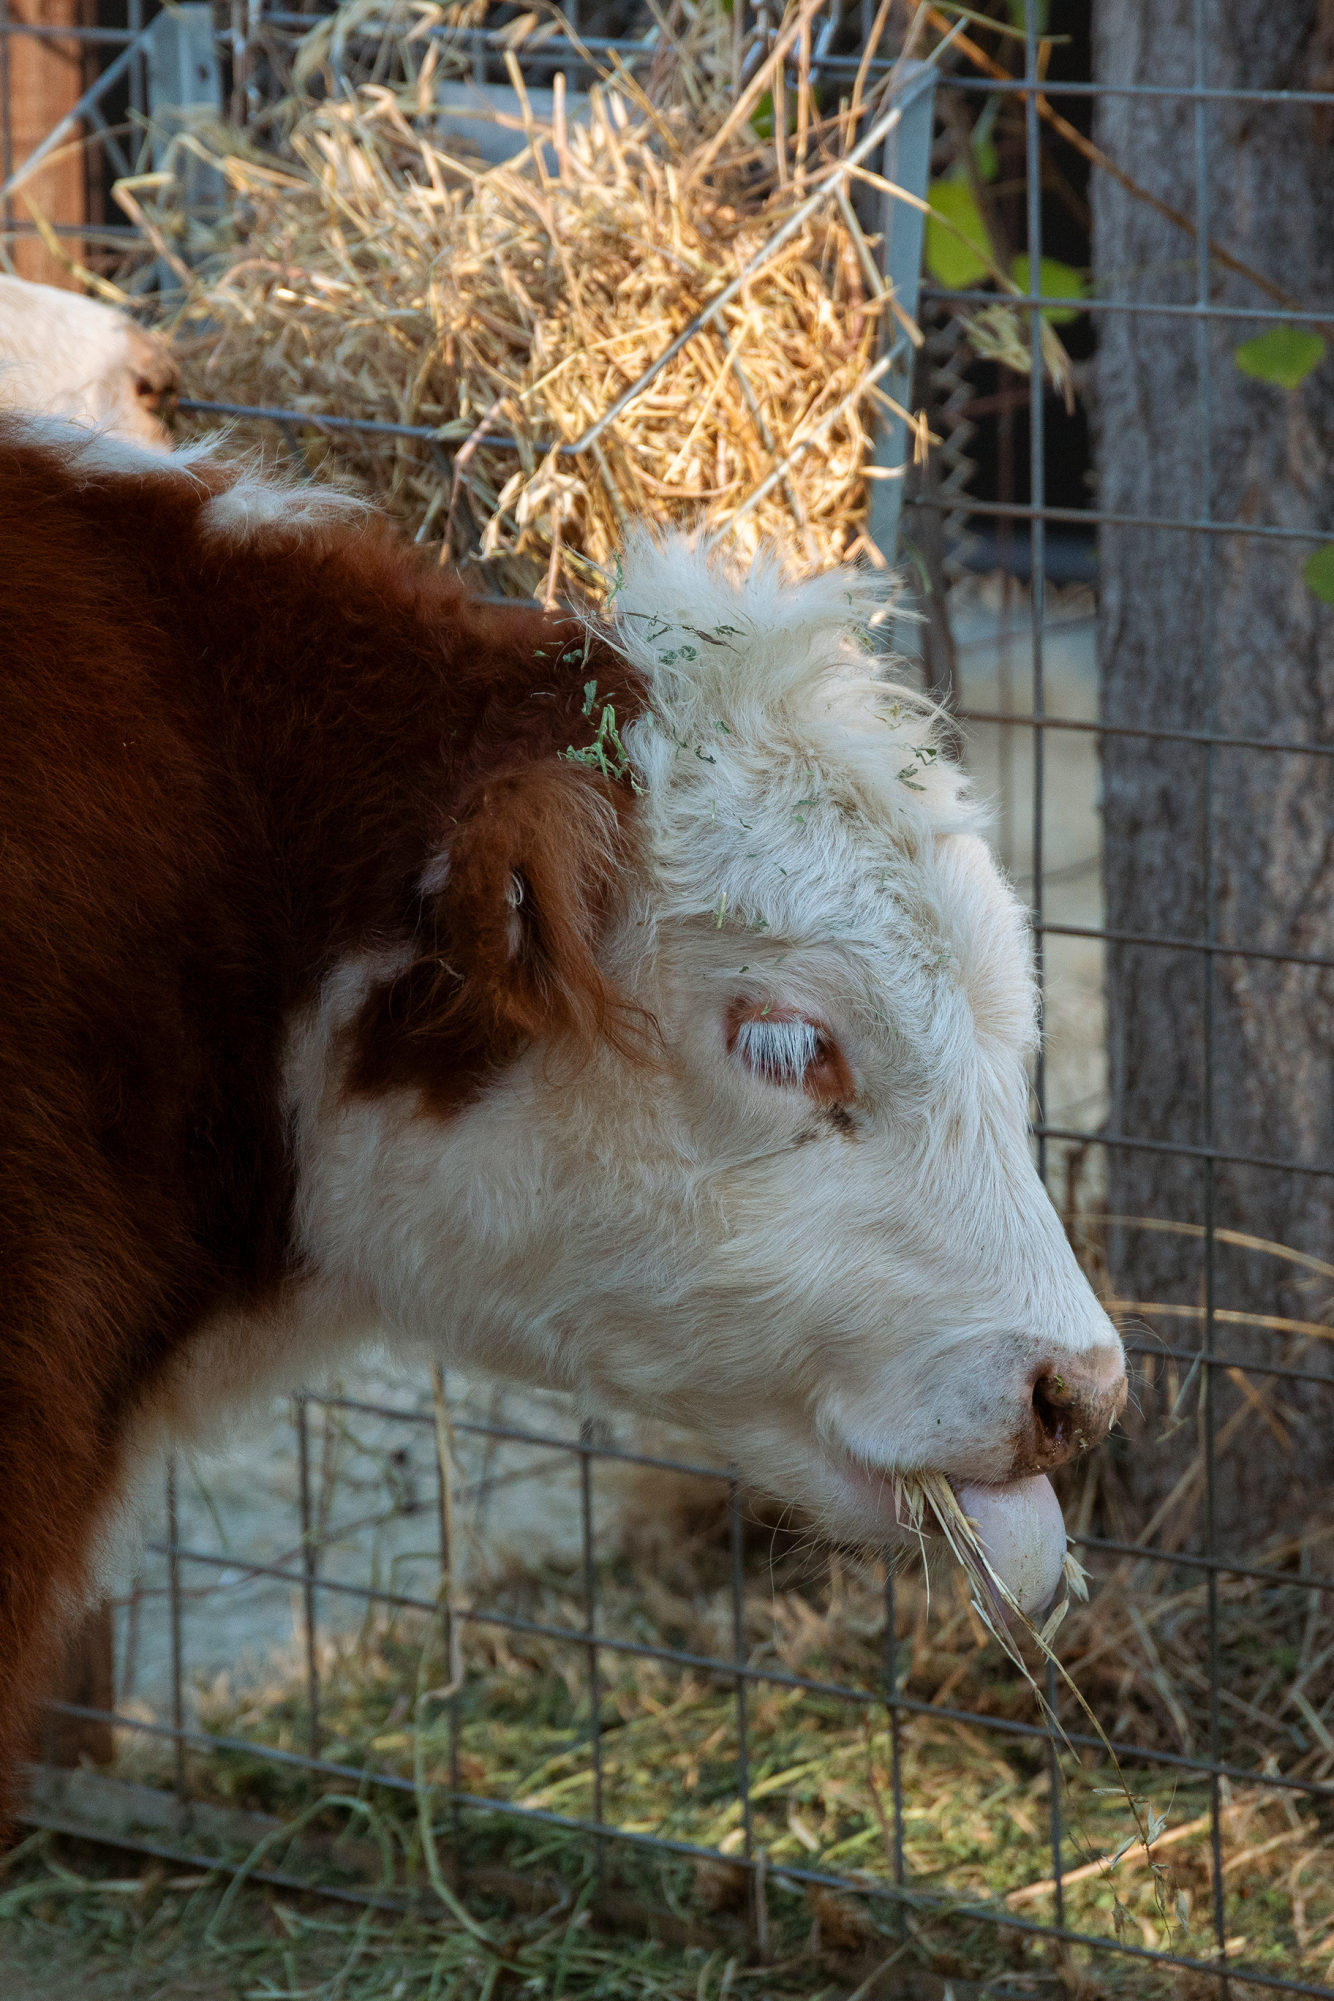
(779,1051)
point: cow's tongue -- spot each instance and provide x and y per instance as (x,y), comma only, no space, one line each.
(1022,1530)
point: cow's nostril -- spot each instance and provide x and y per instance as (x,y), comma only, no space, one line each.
(1054,1390)
(1070,1413)
(1061,1419)
(1057,1421)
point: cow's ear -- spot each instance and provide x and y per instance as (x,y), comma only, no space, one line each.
(532,875)
(516,910)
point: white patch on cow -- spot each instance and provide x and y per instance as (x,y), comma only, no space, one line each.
(766,703)
(63,355)
(106,453)
(256,504)
(690,1240)
(434,876)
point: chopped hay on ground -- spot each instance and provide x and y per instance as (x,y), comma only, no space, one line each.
(977,1801)
(547,1898)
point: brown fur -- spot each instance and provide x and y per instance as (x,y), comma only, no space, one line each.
(224,766)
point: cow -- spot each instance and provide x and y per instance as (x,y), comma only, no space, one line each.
(69,356)
(626,1003)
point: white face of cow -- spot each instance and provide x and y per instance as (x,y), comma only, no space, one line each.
(814,1232)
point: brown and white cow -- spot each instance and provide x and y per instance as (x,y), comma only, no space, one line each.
(68,356)
(363,971)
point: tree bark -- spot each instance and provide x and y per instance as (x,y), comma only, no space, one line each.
(1218,633)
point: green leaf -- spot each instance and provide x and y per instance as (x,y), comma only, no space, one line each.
(958,265)
(1056,281)
(987,158)
(1318,571)
(1285,355)
(762,117)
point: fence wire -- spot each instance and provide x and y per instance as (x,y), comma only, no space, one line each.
(115,56)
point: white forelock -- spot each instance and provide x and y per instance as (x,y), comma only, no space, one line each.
(795,793)
(780,666)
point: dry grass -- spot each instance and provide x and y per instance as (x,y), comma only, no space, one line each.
(369,267)
(368,270)
(977,1802)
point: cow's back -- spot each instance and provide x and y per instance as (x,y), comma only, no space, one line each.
(134,1047)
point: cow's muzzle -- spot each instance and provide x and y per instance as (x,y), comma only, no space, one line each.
(1074,1406)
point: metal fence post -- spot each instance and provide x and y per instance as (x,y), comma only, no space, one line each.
(907,165)
(587,1442)
(310,1556)
(184,90)
(177,1648)
(736,1538)
(451,1624)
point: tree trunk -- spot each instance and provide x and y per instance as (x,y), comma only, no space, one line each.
(1218,633)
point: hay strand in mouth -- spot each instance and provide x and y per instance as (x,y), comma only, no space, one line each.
(927,1501)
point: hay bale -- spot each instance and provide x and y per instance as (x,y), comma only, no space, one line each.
(372,272)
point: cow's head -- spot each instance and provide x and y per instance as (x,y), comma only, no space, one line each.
(753,1153)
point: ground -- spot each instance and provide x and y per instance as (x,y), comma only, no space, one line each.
(50,1967)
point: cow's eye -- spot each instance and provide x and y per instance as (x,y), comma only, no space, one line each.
(791,1051)
(779,1051)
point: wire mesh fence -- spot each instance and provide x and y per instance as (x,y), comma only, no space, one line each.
(553,1682)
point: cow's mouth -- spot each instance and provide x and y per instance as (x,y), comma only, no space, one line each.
(1018,1523)
(1022,1530)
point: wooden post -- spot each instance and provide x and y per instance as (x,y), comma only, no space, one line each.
(45,82)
